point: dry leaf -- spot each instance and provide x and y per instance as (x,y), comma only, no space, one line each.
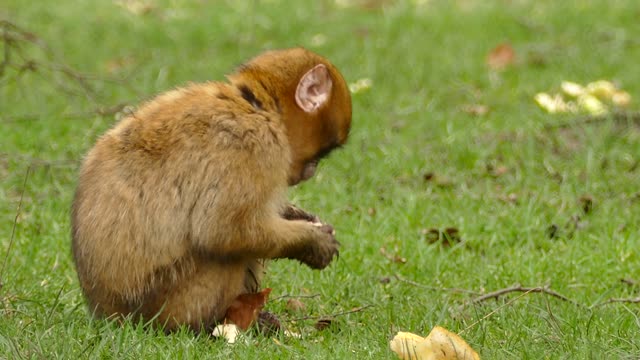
(295,305)
(501,57)
(268,323)
(393,257)
(476,109)
(441,344)
(323,324)
(587,203)
(449,236)
(244,310)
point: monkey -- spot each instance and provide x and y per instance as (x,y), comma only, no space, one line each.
(181,203)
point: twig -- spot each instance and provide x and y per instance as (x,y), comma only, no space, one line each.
(36,162)
(631,282)
(493,312)
(99,111)
(617,116)
(13,230)
(435,288)
(318,317)
(62,74)
(619,300)
(520,288)
(288,296)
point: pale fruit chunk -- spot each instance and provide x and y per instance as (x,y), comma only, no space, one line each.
(441,344)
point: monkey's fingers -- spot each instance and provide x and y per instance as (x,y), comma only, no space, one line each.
(293,212)
(325,228)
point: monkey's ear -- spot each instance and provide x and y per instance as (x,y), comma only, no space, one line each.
(314,88)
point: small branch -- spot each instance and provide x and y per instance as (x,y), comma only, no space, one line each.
(13,230)
(318,317)
(631,282)
(37,162)
(288,296)
(518,288)
(435,288)
(100,111)
(618,116)
(619,300)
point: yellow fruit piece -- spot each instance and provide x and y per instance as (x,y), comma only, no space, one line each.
(572,89)
(553,105)
(621,98)
(602,89)
(592,105)
(441,344)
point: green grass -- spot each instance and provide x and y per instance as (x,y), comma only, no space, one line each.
(426,63)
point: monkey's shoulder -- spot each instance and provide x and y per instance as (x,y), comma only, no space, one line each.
(201,115)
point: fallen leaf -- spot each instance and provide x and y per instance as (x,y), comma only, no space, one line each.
(393,257)
(452,235)
(428,176)
(552,231)
(587,203)
(501,57)
(295,305)
(323,324)
(244,310)
(441,344)
(268,323)
(511,198)
(476,109)
(447,237)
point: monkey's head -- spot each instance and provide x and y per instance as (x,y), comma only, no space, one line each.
(312,97)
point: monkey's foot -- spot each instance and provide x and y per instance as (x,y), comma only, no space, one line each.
(268,323)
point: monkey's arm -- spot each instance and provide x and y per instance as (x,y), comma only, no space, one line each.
(292,212)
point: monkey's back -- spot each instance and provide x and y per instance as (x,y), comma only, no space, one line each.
(148,191)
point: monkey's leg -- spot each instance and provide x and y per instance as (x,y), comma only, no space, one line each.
(198,299)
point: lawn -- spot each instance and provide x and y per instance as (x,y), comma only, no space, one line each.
(454,183)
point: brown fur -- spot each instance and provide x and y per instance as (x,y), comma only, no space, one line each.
(178,205)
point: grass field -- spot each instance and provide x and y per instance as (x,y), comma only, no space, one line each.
(544,201)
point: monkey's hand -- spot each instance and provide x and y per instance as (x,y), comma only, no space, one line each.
(319,252)
(292,212)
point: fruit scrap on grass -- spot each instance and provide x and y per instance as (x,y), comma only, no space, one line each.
(595,98)
(242,313)
(441,344)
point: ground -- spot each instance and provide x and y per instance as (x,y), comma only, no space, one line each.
(454,184)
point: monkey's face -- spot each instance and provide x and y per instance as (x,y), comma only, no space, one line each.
(313,99)
(320,122)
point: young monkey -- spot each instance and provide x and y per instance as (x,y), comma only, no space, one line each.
(180,203)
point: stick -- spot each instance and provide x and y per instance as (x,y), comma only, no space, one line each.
(618,116)
(435,288)
(520,288)
(619,300)
(318,317)
(289,296)
(15,222)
